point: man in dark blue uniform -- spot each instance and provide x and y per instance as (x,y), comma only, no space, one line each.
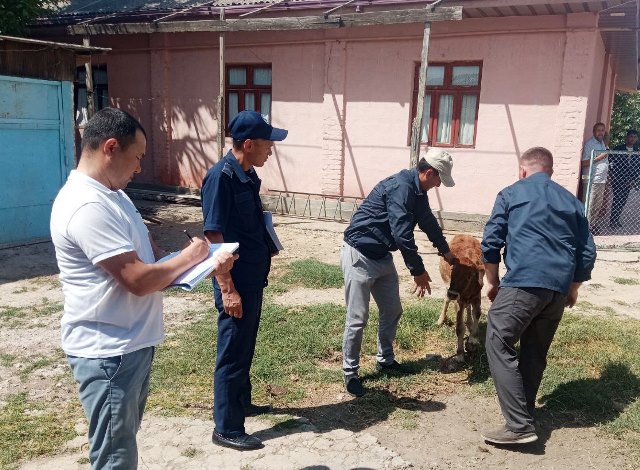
(623,171)
(233,212)
(548,252)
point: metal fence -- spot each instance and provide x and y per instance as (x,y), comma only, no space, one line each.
(612,202)
(312,205)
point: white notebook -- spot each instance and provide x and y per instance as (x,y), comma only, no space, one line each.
(198,273)
(268,221)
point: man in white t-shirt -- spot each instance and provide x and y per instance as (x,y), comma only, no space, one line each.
(113,308)
(598,174)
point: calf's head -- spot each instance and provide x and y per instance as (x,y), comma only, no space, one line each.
(466,280)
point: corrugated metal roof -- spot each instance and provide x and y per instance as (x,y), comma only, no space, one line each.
(83,7)
(617,18)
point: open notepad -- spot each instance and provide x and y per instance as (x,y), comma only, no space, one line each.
(196,274)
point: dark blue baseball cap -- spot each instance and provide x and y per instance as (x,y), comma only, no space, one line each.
(251,125)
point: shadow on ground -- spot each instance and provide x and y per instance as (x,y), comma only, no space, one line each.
(27,262)
(583,403)
(355,415)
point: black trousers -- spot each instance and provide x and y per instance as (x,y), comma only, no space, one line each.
(620,195)
(531,316)
(236,346)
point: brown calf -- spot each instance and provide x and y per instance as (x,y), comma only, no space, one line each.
(465,286)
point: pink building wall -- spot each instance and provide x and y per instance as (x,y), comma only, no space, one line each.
(345,97)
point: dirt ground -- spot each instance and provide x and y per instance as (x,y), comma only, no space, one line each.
(443,435)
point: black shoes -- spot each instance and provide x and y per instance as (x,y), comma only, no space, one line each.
(354,387)
(395,366)
(255,410)
(242,442)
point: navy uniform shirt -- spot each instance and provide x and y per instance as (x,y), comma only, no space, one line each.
(231,205)
(386,219)
(624,169)
(544,233)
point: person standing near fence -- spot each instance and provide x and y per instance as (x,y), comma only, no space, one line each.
(548,252)
(622,173)
(597,175)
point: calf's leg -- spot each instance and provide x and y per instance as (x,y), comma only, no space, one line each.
(460,332)
(443,314)
(474,319)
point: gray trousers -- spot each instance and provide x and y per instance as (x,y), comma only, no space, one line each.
(364,277)
(531,316)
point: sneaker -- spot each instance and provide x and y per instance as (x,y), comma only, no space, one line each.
(395,366)
(504,435)
(354,386)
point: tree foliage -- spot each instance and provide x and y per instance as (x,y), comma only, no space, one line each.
(16,15)
(625,116)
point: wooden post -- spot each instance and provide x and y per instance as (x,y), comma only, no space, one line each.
(221,101)
(416,128)
(88,80)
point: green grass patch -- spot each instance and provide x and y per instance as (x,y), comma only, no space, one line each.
(11,313)
(313,274)
(627,281)
(52,282)
(191,452)
(7,360)
(29,429)
(593,373)
(39,363)
(204,288)
(592,308)
(592,379)
(297,350)
(45,308)
(406,419)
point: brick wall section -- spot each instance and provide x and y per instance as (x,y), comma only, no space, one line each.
(571,116)
(159,145)
(333,118)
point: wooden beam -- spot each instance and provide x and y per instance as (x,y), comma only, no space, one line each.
(416,128)
(276,24)
(221,101)
(88,81)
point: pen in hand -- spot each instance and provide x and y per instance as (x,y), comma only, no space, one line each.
(188,235)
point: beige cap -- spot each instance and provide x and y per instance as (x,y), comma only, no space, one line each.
(441,161)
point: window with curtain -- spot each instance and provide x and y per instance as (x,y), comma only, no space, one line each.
(248,87)
(452,95)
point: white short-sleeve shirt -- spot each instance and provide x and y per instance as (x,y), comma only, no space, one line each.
(91,223)
(600,168)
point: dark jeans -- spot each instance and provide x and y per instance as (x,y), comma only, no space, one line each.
(621,191)
(531,316)
(236,346)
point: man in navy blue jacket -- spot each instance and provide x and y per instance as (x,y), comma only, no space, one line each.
(548,253)
(384,223)
(232,212)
